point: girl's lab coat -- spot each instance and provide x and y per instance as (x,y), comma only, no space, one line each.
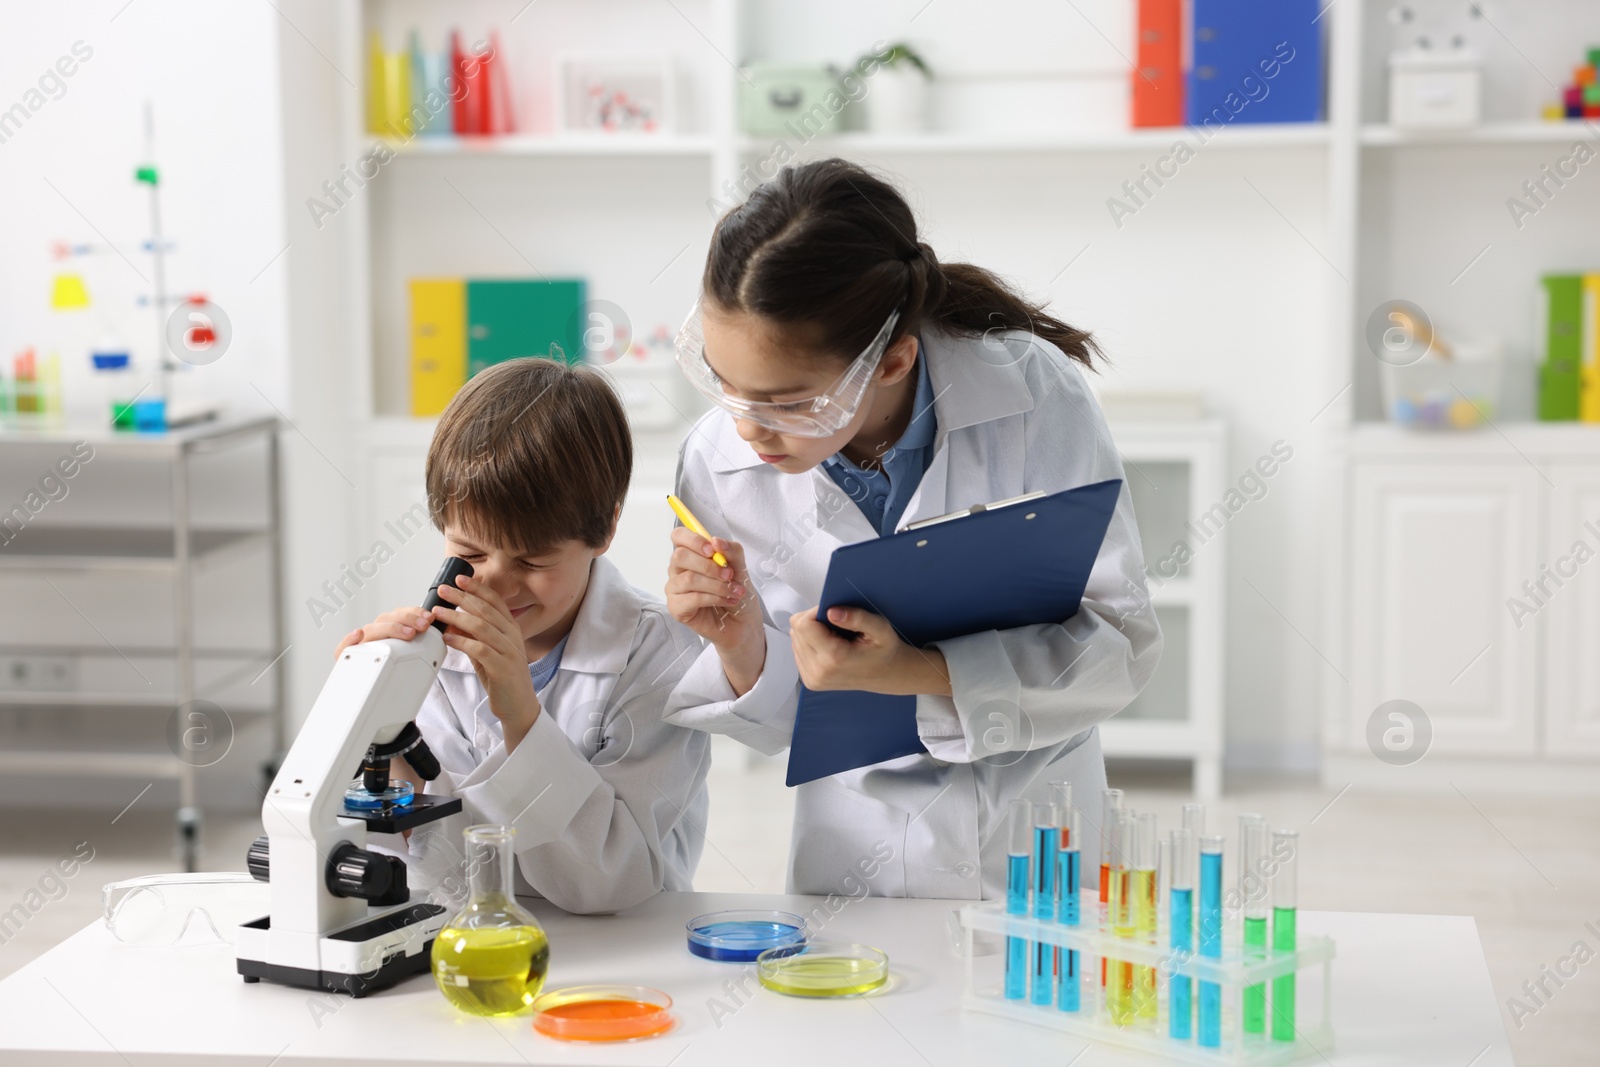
(609,802)
(1014,415)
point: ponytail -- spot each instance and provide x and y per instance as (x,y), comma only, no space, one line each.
(831,249)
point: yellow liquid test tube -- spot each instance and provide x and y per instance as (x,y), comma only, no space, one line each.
(1146,846)
(1110,802)
(1119,973)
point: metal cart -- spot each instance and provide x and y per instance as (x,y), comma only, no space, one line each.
(56,548)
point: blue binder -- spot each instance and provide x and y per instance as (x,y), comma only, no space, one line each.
(994,569)
(1230,41)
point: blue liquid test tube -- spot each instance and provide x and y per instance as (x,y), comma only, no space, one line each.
(1180,902)
(1017,854)
(1210,938)
(1068,879)
(1046,842)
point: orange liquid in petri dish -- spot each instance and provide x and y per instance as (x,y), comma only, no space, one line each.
(616,1019)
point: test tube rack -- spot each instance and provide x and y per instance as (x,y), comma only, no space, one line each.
(1094,940)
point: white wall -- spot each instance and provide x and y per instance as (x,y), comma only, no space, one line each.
(238,91)
(210,73)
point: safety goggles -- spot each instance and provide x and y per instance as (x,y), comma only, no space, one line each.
(818,416)
(159,909)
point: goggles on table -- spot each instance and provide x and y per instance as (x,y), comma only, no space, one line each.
(158,909)
(818,416)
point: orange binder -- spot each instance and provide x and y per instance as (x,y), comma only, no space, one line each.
(1158,77)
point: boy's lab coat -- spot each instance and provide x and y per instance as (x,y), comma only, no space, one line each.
(609,802)
(1014,415)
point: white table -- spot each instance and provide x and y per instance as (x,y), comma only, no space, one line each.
(1408,990)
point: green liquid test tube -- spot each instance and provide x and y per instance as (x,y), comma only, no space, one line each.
(1285,888)
(1253,898)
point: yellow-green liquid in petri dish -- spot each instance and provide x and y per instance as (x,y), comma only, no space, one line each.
(824,976)
(495,970)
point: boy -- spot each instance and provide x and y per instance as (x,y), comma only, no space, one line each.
(547,712)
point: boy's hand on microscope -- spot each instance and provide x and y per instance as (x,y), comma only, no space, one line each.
(718,603)
(403,623)
(481,626)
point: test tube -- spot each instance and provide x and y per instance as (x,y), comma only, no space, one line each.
(1110,801)
(1253,901)
(1210,938)
(1046,843)
(1119,976)
(1020,844)
(1061,797)
(1068,874)
(1180,899)
(1285,888)
(1143,881)
(1194,820)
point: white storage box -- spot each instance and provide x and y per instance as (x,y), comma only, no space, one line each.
(1435,90)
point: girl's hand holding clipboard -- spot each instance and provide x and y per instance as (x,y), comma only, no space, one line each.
(876,660)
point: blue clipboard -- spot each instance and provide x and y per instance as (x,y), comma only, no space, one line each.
(993,569)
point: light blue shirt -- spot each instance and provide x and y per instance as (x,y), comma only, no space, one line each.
(882,494)
(544,668)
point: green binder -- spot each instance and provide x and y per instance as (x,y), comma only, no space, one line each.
(508,318)
(1560,372)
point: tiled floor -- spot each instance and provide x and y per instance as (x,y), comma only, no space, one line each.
(1528,868)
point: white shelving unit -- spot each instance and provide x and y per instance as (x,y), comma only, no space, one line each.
(573,205)
(1429,538)
(1175,471)
(170,571)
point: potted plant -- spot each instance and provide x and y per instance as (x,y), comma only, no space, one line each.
(896,99)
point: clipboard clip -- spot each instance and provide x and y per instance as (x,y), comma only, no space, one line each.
(975,509)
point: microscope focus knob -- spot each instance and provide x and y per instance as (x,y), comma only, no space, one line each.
(372,876)
(255,859)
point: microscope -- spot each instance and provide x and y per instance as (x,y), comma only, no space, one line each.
(343,918)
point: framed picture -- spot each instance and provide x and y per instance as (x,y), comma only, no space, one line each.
(616,94)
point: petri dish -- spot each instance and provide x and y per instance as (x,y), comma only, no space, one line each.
(603,1013)
(824,969)
(742,936)
(398,795)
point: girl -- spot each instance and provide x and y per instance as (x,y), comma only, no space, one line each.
(861,385)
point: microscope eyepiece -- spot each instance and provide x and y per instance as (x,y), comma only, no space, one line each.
(454,567)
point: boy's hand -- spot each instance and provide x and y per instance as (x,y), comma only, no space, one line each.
(403,623)
(482,627)
(718,603)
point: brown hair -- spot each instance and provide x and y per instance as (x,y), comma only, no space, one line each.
(832,248)
(531,453)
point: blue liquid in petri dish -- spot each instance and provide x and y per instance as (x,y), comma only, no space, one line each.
(358,799)
(741,941)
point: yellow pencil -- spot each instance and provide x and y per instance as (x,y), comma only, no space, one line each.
(693,523)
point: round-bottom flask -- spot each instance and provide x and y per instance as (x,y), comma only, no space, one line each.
(492,956)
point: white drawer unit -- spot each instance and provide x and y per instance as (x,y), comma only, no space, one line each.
(1472,592)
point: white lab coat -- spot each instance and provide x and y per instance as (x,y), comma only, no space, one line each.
(609,801)
(1014,415)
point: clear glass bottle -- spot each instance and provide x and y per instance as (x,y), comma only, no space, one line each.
(491,958)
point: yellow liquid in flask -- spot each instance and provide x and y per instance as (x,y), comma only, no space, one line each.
(494,970)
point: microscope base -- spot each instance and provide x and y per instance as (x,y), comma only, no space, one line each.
(400,940)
